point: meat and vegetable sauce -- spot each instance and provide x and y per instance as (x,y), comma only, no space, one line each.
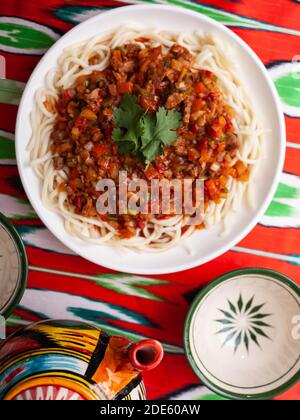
(85,136)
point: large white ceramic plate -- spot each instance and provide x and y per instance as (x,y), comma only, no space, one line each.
(207,244)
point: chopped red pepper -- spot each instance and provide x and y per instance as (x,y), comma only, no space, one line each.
(66,95)
(200,88)
(140,223)
(195,128)
(209,74)
(100,149)
(151,172)
(77,203)
(74,174)
(125,87)
(81,123)
(212,189)
(108,132)
(197,105)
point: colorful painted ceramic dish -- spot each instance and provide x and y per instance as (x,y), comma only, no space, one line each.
(204,245)
(69,360)
(241,334)
(13,267)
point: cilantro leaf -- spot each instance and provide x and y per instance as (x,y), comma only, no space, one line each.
(125,143)
(148,127)
(165,122)
(157,132)
(153,149)
(143,134)
(129,130)
(128,113)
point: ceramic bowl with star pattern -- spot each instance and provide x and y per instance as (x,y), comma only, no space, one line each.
(13,267)
(242,334)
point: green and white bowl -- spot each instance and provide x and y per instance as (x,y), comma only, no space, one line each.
(13,267)
(242,334)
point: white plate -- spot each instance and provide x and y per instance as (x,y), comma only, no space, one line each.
(206,244)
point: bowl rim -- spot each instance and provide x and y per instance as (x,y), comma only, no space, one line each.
(196,260)
(273,274)
(21,286)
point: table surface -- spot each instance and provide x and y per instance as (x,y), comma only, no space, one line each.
(63,285)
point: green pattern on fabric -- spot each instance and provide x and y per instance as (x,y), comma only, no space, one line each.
(288,87)
(23,37)
(278,209)
(287,191)
(10,91)
(76,14)
(127,285)
(7,148)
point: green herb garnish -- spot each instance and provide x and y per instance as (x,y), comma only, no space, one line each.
(141,133)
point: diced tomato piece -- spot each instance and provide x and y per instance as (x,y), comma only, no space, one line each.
(75,184)
(140,223)
(113,89)
(222,121)
(103,217)
(212,132)
(197,105)
(242,171)
(212,189)
(155,53)
(203,149)
(195,128)
(100,149)
(240,167)
(127,233)
(203,144)
(221,147)
(74,174)
(77,203)
(209,97)
(81,123)
(88,114)
(245,176)
(209,74)
(66,95)
(160,168)
(222,180)
(193,154)
(228,125)
(108,132)
(216,129)
(184,229)
(125,87)
(75,133)
(230,170)
(151,172)
(164,216)
(114,170)
(117,55)
(200,88)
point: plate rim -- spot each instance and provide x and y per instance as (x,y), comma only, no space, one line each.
(197,261)
(229,275)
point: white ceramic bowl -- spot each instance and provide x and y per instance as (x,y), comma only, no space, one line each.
(242,336)
(206,244)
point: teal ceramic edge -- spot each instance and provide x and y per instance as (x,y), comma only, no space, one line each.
(24,265)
